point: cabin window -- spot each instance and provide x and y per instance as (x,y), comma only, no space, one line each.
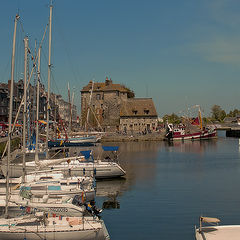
(39,188)
(45,178)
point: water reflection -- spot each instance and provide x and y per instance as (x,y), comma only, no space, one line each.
(198,147)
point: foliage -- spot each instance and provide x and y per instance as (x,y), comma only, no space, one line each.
(173,118)
(233,113)
(218,114)
(130,93)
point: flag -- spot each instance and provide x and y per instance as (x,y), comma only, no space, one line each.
(195,121)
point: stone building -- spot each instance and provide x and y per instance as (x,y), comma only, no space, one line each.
(102,101)
(104,105)
(138,115)
(58,107)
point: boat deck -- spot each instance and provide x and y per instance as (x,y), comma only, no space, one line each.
(219,233)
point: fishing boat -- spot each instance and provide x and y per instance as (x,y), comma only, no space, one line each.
(190,129)
(213,231)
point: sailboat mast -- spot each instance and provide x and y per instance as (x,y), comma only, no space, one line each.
(70,110)
(200,118)
(25,107)
(49,76)
(88,110)
(37,112)
(10,114)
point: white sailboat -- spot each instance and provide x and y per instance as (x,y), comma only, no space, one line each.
(48,228)
(38,226)
(75,166)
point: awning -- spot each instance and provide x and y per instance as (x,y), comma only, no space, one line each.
(210,220)
(86,154)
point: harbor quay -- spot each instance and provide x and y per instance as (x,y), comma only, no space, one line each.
(114,137)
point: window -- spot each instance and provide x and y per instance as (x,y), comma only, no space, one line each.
(146,111)
(134,112)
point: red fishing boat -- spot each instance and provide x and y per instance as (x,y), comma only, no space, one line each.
(190,129)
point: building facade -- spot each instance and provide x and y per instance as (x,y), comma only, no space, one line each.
(58,107)
(138,115)
(102,106)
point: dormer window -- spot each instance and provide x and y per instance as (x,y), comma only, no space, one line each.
(146,111)
(134,112)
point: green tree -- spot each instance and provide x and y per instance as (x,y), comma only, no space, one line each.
(173,118)
(218,114)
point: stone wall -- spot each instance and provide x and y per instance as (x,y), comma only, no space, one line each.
(138,125)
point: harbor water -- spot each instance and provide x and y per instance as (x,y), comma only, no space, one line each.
(168,186)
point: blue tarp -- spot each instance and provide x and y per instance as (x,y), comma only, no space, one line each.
(86,154)
(110,148)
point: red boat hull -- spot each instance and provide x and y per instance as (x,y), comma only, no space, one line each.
(206,134)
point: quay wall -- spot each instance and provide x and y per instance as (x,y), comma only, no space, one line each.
(136,138)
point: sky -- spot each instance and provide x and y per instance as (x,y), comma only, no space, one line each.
(180,53)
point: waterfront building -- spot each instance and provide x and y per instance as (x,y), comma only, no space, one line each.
(109,107)
(138,115)
(100,104)
(58,107)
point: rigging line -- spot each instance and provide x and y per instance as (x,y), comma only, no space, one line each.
(21,104)
(21,26)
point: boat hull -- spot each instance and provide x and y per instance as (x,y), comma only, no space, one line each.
(84,231)
(218,232)
(68,235)
(194,136)
(101,171)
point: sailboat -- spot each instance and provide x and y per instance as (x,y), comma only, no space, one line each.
(190,129)
(40,226)
(54,227)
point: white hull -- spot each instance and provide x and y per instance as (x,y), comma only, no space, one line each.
(228,232)
(87,229)
(99,169)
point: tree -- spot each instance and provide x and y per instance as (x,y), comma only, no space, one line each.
(218,114)
(173,118)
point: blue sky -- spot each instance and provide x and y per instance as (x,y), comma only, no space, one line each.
(180,53)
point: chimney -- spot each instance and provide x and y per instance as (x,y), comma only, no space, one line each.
(107,81)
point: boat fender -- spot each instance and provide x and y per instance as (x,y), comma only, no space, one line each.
(95,171)
(84,171)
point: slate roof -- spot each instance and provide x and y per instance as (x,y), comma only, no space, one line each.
(138,107)
(103,87)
